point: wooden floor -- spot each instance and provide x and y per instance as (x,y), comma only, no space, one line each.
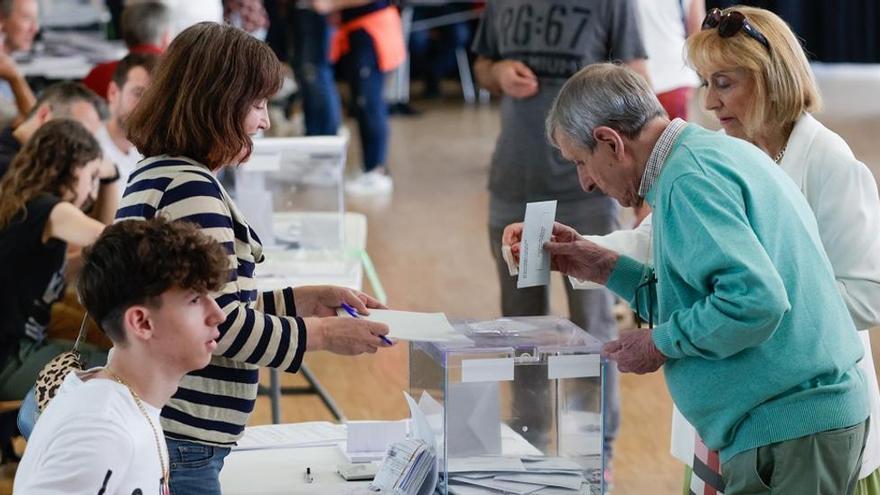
(430,246)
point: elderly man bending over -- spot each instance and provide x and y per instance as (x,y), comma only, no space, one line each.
(757,346)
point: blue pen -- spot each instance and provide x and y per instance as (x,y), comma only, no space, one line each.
(354,314)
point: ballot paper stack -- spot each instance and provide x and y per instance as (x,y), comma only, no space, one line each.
(296,435)
(406,468)
(526,475)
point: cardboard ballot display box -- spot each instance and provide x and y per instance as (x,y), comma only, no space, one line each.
(516,410)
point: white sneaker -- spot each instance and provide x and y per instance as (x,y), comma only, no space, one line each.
(370,183)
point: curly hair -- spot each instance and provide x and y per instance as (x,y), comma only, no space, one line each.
(135,261)
(202,90)
(46,165)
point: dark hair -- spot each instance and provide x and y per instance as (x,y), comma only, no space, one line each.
(144,23)
(60,97)
(146,60)
(46,165)
(6,7)
(135,261)
(201,93)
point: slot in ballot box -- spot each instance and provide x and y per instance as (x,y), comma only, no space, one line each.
(519,407)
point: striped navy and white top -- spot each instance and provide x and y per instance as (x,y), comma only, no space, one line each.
(213,405)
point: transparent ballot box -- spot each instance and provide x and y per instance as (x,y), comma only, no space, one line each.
(295,175)
(291,192)
(516,410)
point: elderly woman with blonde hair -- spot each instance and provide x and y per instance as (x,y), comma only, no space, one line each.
(760,86)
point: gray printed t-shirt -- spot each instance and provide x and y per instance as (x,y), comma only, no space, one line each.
(554,38)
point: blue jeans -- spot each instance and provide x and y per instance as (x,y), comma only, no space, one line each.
(311,67)
(195,467)
(361,69)
(28,414)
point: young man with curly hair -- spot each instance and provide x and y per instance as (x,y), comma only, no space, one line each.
(146,284)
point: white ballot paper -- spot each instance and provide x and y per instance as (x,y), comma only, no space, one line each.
(414,326)
(534,263)
(369,440)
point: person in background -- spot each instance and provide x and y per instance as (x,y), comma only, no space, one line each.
(249,15)
(147,284)
(665,26)
(185,13)
(73,101)
(528,70)
(311,33)
(66,100)
(19,24)
(367,45)
(432,52)
(49,184)
(130,79)
(187,136)
(147,29)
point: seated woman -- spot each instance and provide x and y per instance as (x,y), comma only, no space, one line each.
(49,184)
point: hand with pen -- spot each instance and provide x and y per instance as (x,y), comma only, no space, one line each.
(326,331)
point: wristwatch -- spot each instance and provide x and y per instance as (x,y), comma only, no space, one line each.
(110,180)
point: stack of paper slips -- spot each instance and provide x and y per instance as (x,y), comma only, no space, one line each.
(527,475)
(295,435)
(405,468)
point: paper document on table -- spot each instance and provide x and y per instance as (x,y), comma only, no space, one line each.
(413,326)
(571,481)
(312,434)
(534,263)
(491,464)
(369,440)
(503,486)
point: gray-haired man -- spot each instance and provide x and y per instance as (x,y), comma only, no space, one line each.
(759,354)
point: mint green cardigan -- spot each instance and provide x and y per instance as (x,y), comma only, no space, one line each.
(761,347)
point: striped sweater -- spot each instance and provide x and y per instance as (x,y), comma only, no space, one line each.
(213,405)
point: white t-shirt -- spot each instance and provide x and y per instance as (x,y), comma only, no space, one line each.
(125,162)
(92,438)
(663,31)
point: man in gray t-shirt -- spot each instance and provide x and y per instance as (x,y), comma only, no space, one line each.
(526,50)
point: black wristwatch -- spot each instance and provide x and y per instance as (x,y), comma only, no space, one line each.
(110,180)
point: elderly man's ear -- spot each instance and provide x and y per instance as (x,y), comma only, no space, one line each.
(606,136)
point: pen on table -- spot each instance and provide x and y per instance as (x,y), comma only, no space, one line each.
(309,477)
(354,314)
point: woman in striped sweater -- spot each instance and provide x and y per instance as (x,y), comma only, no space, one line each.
(208,97)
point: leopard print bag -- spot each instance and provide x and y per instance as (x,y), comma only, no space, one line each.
(52,375)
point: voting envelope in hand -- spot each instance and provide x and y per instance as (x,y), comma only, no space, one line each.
(534,262)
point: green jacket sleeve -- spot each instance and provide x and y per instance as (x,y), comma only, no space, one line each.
(631,277)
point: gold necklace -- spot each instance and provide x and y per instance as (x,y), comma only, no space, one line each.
(778,157)
(165,476)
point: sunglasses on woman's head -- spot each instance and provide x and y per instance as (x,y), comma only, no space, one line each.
(730,23)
